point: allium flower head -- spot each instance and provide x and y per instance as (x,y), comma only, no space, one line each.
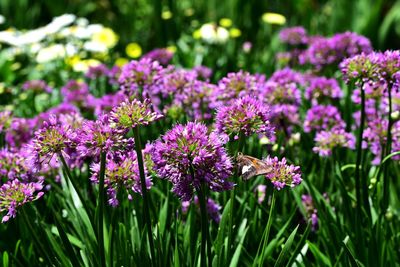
(190,148)
(96,137)
(260,193)
(130,114)
(203,72)
(140,75)
(95,72)
(213,208)
(322,117)
(105,103)
(311,211)
(326,141)
(5,120)
(14,194)
(321,88)
(161,55)
(13,166)
(75,91)
(293,36)
(20,132)
(282,174)
(37,86)
(122,170)
(235,85)
(246,115)
(52,139)
(362,67)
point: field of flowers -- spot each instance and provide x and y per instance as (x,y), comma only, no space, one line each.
(227,140)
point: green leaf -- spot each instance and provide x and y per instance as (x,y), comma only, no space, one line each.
(286,247)
(238,251)
(5,259)
(321,258)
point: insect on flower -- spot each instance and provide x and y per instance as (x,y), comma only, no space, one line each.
(249,167)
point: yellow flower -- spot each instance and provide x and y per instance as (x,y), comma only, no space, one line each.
(165,15)
(83,65)
(188,12)
(235,32)
(225,22)
(133,50)
(196,34)
(121,61)
(106,37)
(274,18)
(72,60)
(171,48)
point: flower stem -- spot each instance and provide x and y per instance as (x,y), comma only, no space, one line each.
(205,238)
(268,227)
(100,207)
(138,148)
(388,151)
(233,193)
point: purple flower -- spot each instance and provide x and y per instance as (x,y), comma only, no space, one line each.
(36,86)
(141,78)
(322,117)
(282,174)
(5,120)
(375,138)
(246,115)
(321,88)
(260,192)
(96,137)
(294,36)
(161,55)
(20,132)
(188,156)
(203,72)
(130,114)
(327,51)
(213,208)
(311,211)
(52,139)
(326,141)
(75,91)
(105,103)
(95,72)
(122,170)
(14,194)
(363,67)
(235,85)
(13,166)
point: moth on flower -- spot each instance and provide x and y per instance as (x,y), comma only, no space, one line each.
(249,167)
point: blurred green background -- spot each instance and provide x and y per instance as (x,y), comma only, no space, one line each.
(143,20)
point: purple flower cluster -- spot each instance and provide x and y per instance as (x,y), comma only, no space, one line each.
(213,208)
(15,194)
(162,55)
(311,211)
(326,141)
(294,36)
(322,88)
(37,86)
(282,174)
(122,170)
(322,117)
(188,156)
(75,92)
(246,115)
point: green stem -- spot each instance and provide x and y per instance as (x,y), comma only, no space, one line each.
(205,239)
(138,148)
(268,228)
(233,193)
(100,207)
(388,150)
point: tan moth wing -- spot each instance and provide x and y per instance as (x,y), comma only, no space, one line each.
(249,167)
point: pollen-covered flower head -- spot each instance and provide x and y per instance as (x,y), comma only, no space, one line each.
(130,114)
(282,174)
(188,156)
(326,141)
(13,166)
(50,140)
(14,194)
(246,115)
(122,170)
(362,67)
(322,117)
